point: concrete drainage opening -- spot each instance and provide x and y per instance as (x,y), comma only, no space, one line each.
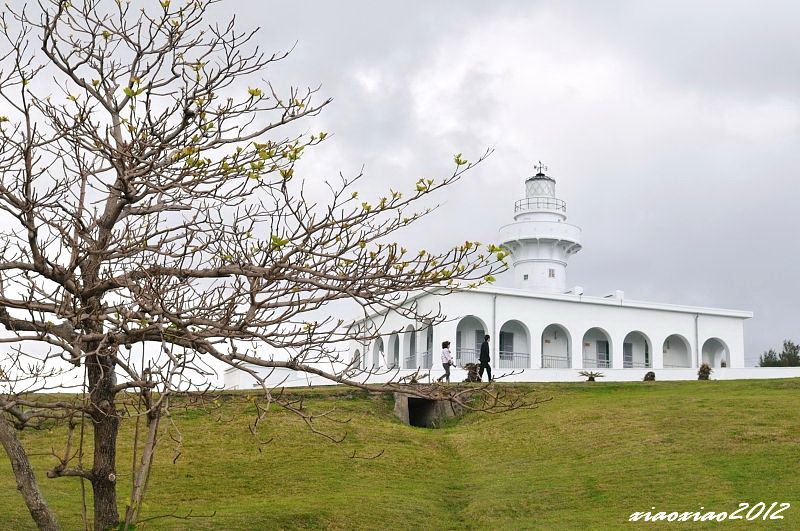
(422,412)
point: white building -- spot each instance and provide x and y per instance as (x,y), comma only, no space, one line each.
(542,331)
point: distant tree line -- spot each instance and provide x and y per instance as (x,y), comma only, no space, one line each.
(790,357)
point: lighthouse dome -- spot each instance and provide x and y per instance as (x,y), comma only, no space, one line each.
(540,185)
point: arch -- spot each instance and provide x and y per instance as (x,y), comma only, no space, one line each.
(677,352)
(716,353)
(556,347)
(514,350)
(377,353)
(410,347)
(393,359)
(356,361)
(469,336)
(598,350)
(637,351)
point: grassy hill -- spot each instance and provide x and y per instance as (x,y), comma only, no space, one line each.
(585,460)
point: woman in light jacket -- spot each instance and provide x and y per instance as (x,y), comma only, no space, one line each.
(447,362)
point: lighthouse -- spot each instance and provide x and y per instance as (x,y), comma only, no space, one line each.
(540,241)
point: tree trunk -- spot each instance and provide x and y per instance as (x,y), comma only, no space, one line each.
(26,481)
(106,426)
(143,471)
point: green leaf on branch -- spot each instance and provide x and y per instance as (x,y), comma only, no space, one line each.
(460,161)
(278,242)
(132,93)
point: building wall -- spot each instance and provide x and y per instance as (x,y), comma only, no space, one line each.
(611,320)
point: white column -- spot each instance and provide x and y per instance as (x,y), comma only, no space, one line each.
(657,351)
(419,344)
(577,347)
(616,341)
(536,347)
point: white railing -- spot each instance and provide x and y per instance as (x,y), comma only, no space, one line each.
(513,360)
(594,363)
(627,364)
(540,203)
(467,355)
(555,362)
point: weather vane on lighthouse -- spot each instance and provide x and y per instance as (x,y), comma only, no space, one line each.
(540,168)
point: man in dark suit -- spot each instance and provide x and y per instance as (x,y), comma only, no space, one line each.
(484,359)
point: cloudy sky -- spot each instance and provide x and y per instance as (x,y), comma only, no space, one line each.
(671,128)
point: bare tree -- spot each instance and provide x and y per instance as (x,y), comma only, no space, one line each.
(152,221)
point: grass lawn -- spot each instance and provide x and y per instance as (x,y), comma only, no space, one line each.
(585,460)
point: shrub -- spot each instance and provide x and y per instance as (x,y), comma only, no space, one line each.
(703,372)
(591,375)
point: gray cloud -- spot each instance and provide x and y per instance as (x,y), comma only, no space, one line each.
(671,127)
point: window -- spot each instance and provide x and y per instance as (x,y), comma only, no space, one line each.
(602,354)
(479,339)
(524,277)
(506,345)
(551,273)
(506,341)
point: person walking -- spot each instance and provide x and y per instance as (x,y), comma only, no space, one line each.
(447,361)
(484,359)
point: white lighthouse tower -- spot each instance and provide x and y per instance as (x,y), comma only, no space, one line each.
(540,241)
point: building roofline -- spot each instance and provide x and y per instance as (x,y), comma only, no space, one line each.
(603,301)
(581,299)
